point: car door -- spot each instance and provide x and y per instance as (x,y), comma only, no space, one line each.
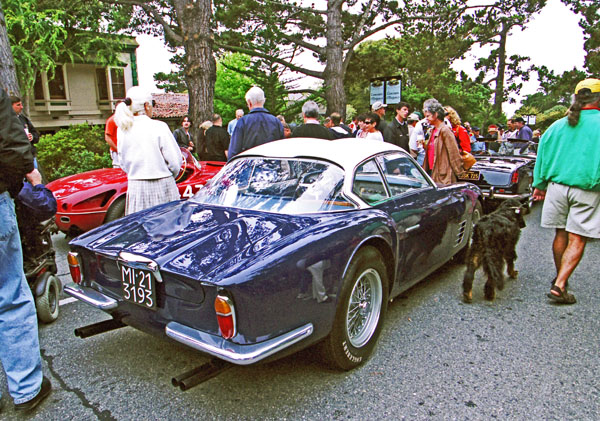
(420,211)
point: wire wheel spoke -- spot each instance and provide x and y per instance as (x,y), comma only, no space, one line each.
(364,308)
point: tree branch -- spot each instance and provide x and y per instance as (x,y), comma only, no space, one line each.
(297,8)
(170,34)
(254,53)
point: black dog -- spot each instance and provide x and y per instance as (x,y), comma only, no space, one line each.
(495,238)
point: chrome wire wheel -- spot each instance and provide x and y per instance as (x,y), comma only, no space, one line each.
(364,308)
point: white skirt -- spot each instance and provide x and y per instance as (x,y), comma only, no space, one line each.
(143,194)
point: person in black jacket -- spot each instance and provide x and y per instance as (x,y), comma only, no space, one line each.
(396,132)
(183,136)
(311,126)
(20,348)
(217,140)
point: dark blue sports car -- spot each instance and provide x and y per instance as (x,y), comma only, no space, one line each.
(292,243)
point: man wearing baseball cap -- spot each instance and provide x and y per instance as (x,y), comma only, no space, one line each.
(566,177)
(523,130)
(378,108)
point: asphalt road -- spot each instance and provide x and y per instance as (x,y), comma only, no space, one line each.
(518,358)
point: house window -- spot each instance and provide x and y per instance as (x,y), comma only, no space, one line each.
(38,87)
(102,84)
(56,85)
(117,77)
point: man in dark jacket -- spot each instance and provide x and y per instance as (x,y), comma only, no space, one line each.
(311,126)
(217,140)
(257,127)
(396,132)
(20,348)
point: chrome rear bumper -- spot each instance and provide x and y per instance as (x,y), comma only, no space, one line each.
(202,341)
(232,352)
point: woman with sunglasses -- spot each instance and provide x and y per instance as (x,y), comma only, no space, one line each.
(442,158)
(148,153)
(371,128)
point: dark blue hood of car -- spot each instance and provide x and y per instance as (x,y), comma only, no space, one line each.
(196,241)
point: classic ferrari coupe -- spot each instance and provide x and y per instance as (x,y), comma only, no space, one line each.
(89,199)
(293,243)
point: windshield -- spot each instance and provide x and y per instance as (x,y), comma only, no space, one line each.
(506,148)
(288,186)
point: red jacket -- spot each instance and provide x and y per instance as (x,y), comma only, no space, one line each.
(464,141)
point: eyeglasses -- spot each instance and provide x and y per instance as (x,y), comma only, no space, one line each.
(368,122)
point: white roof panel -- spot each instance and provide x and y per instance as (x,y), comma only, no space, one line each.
(347,153)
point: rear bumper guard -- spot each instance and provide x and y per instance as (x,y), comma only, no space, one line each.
(235,353)
(91,297)
(491,194)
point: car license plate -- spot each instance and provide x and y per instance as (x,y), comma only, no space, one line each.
(138,287)
(470,175)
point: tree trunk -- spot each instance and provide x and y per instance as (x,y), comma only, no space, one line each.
(501,72)
(200,68)
(334,69)
(8,75)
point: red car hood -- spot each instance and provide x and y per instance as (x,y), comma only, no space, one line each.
(88,180)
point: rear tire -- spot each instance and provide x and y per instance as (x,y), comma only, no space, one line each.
(360,313)
(47,304)
(461,256)
(116,210)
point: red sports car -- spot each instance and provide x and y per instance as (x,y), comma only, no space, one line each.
(92,198)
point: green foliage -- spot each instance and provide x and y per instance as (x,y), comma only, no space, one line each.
(553,97)
(233,81)
(73,150)
(546,118)
(424,65)
(36,41)
(45,33)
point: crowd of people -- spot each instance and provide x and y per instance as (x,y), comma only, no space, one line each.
(567,180)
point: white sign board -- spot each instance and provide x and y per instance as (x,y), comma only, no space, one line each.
(377,91)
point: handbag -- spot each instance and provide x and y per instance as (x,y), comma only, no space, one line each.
(467,159)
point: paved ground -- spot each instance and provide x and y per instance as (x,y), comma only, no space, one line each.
(518,358)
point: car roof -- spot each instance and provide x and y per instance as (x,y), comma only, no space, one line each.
(347,152)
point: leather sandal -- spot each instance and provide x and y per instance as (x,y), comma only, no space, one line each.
(561,296)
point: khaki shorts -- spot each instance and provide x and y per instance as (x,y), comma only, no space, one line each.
(572,209)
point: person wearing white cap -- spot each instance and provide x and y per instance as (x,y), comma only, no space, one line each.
(566,177)
(379,108)
(148,153)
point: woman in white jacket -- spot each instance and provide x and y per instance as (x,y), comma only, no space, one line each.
(148,153)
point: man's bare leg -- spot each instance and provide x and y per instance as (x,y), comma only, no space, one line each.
(561,239)
(570,258)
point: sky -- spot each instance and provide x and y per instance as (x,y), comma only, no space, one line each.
(552,38)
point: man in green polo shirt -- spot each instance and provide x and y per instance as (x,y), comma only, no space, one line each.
(567,178)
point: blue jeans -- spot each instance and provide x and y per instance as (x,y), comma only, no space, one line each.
(19,343)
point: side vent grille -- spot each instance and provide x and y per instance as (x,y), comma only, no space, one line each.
(462,229)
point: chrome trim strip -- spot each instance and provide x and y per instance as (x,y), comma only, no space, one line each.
(414,227)
(232,352)
(91,297)
(79,213)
